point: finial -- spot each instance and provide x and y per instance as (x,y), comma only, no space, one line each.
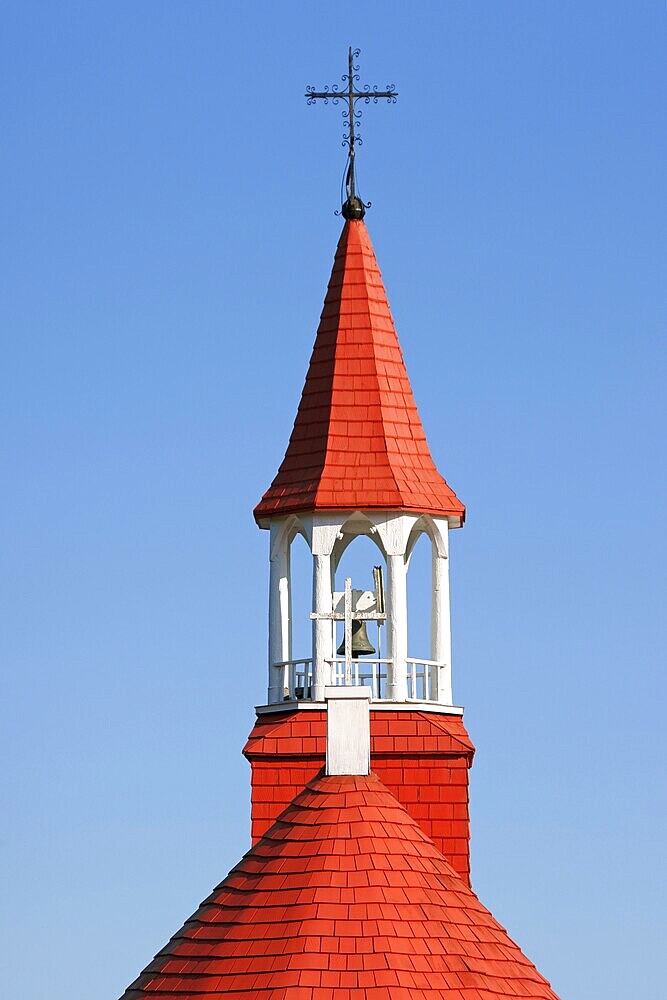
(353,206)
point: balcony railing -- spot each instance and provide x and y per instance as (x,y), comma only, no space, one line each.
(371,673)
(423,679)
(296,677)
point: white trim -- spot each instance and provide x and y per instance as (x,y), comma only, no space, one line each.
(348,730)
(280,601)
(360,693)
(265,520)
(379,706)
(327,534)
(397,627)
(322,630)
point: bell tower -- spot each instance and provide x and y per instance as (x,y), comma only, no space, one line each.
(295,675)
(357,884)
(358,465)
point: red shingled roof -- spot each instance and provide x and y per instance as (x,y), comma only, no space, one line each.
(399,732)
(358,442)
(344,898)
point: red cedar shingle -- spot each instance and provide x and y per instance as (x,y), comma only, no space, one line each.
(439,755)
(398,922)
(357,440)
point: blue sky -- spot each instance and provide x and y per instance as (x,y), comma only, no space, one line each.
(167,214)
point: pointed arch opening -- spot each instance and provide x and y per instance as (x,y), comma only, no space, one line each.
(357,553)
(419,589)
(429,643)
(301,596)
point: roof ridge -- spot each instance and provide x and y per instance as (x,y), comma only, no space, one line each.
(436,721)
(368,257)
(368,251)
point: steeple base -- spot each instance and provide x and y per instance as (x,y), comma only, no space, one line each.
(421,756)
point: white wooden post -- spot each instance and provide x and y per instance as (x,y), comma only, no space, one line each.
(280,628)
(441,634)
(331,671)
(348,633)
(397,628)
(322,631)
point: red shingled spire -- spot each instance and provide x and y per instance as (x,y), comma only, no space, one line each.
(344,898)
(357,440)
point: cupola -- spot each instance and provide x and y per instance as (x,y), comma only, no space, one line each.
(358,463)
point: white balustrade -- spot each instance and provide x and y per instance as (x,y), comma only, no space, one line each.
(372,673)
(295,677)
(423,679)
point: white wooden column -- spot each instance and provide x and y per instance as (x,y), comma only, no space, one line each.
(441,630)
(397,628)
(394,531)
(280,625)
(441,641)
(322,631)
(322,531)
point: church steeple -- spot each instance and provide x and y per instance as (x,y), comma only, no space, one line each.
(358,464)
(357,884)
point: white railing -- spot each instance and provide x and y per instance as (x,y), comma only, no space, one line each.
(372,673)
(423,679)
(296,678)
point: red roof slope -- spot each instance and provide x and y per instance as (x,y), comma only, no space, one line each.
(344,898)
(305,733)
(357,440)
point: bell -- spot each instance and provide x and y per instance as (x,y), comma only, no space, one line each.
(361,645)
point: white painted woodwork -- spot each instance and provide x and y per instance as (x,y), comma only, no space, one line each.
(378,706)
(348,730)
(280,645)
(441,633)
(395,674)
(362,600)
(346,608)
(321,530)
(393,531)
(397,627)
(371,672)
(322,627)
(347,642)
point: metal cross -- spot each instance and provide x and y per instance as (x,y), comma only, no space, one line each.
(351,115)
(348,615)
